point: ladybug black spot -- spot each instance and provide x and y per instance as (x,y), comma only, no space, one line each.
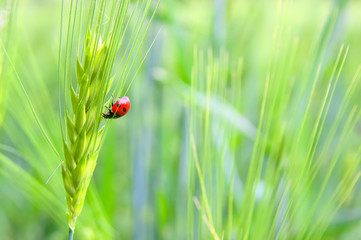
(118,105)
(124,109)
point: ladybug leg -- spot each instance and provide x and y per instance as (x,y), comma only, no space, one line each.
(105,115)
(108,109)
(110,105)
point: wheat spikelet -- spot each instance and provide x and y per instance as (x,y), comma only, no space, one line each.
(83,134)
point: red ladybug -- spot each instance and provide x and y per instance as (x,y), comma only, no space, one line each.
(118,109)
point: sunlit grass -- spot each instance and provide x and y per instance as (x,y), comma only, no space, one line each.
(244,121)
(286,158)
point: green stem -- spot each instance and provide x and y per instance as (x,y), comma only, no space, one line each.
(71,233)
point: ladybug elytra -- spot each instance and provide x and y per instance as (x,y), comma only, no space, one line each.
(118,109)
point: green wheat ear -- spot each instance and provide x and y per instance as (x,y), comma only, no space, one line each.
(82,139)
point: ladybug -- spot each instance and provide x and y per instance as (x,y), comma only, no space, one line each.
(118,109)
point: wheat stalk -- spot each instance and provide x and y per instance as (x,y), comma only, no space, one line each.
(83,134)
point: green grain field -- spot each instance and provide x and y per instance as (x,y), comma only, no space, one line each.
(244,120)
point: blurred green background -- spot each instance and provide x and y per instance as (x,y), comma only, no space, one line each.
(146,178)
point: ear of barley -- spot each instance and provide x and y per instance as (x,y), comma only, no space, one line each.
(82,139)
(84,98)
